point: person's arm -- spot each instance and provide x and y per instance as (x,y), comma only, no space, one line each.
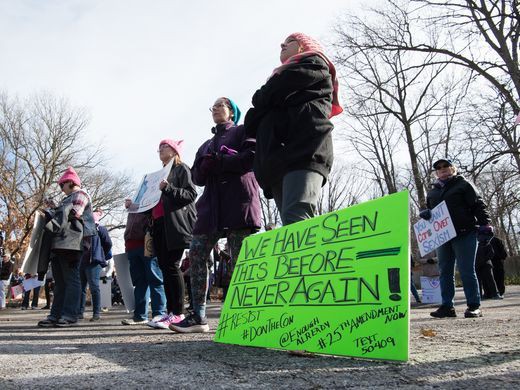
(198,175)
(185,193)
(79,202)
(294,78)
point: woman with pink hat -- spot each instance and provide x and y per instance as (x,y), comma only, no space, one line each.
(172,225)
(72,227)
(290,120)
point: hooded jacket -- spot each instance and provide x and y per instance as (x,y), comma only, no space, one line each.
(290,121)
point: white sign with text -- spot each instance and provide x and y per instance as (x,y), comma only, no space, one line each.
(438,230)
(148,193)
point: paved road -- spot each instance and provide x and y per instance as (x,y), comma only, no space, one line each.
(464,353)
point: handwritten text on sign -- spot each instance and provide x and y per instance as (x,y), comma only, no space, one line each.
(438,230)
(335,284)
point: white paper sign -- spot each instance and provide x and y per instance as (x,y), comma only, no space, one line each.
(125,280)
(431,290)
(148,193)
(29,284)
(435,232)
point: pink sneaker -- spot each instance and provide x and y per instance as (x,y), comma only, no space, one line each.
(171,319)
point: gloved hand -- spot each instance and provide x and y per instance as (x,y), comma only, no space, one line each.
(485,233)
(104,279)
(225,150)
(425,214)
(210,163)
(430,261)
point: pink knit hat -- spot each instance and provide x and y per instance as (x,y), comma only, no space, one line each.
(310,46)
(70,175)
(175,145)
(307,43)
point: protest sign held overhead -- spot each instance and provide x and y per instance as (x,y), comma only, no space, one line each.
(335,284)
(436,231)
(148,193)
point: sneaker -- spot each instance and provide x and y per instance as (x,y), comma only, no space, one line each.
(61,323)
(444,311)
(498,296)
(80,316)
(191,324)
(46,307)
(95,318)
(34,307)
(131,321)
(166,321)
(46,323)
(155,320)
(23,308)
(472,312)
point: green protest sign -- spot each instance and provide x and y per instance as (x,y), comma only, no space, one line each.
(335,284)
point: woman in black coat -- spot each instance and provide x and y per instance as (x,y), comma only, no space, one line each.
(173,220)
(467,210)
(290,121)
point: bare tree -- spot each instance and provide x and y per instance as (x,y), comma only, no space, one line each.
(344,188)
(479,35)
(39,138)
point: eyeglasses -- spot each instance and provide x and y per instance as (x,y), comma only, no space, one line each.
(442,166)
(217,106)
(62,185)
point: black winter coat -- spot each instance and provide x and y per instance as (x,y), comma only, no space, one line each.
(179,210)
(464,204)
(290,121)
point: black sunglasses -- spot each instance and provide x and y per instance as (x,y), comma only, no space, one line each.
(442,166)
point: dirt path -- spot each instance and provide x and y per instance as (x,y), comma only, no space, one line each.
(463,353)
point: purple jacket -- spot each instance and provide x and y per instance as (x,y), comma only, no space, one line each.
(230,200)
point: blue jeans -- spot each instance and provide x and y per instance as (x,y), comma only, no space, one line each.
(89,273)
(67,288)
(147,280)
(463,248)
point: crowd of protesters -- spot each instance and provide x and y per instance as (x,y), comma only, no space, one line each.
(284,149)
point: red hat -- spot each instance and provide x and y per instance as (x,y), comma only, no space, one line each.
(70,175)
(175,145)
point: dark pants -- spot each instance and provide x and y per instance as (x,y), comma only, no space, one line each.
(499,275)
(297,194)
(49,287)
(67,288)
(488,287)
(26,295)
(170,264)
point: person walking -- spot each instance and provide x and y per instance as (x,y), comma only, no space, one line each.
(229,206)
(172,226)
(290,120)
(467,210)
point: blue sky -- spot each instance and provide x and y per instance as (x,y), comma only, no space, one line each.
(148,70)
